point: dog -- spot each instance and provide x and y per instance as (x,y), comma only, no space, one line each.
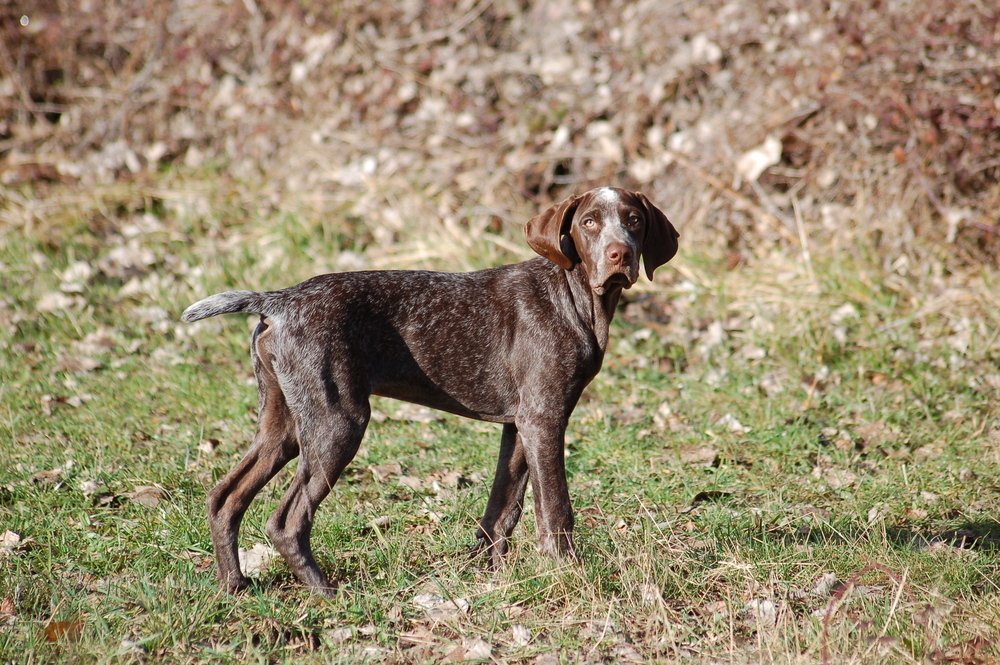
(515,345)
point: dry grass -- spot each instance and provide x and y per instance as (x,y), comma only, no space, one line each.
(477,112)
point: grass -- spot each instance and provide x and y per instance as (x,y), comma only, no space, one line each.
(771,466)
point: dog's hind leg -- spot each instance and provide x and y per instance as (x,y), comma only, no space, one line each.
(330,432)
(274,445)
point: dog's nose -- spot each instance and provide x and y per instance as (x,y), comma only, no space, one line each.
(618,253)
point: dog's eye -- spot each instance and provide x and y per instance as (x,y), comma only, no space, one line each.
(588,223)
(633,220)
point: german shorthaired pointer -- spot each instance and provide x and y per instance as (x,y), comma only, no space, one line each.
(514,345)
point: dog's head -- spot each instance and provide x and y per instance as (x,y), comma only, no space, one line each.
(604,231)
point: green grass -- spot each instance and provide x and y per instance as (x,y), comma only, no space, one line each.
(747,437)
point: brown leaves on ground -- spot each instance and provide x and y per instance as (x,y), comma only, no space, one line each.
(8,612)
(11,542)
(257,559)
(148,496)
(75,401)
(485,100)
(437,608)
(66,630)
(48,478)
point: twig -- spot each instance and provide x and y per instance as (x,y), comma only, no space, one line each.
(773,209)
(735,196)
(7,65)
(839,596)
(803,241)
(894,606)
(435,35)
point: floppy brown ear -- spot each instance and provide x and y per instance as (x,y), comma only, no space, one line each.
(544,232)
(660,243)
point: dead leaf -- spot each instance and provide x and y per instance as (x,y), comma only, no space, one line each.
(95,343)
(149,496)
(80,400)
(380,522)
(772,383)
(257,559)
(753,163)
(433,515)
(419,636)
(761,613)
(471,649)
(627,653)
(68,630)
(78,271)
(843,313)
(8,612)
(56,301)
(439,480)
(342,635)
(395,613)
(412,482)
(520,635)
(9,542)
(89,487)
(599,629)
(926,452)
(437,608)
(715,609)
(130,646)
(208,446)
(547,658)
(664,418)
(48,478)
(78,364)
(825,585)
(729,423)
(875,433)
(650,593)
(426,600)
(971,652)
(702,455)
(383,472)
(835,478)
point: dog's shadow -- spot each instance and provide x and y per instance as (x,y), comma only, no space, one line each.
(983,536)
(980,536)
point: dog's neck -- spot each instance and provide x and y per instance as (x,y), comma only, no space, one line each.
(604,311)
(596,311)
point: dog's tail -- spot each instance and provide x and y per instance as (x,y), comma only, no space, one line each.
(227,303)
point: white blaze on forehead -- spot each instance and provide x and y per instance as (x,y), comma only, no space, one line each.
(608,196)
(609,200)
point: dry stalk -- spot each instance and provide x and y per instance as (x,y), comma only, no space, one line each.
(741,200)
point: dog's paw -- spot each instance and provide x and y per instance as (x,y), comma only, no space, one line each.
(558,546)
(494,551)
(235,584)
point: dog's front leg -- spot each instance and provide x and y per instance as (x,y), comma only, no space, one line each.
(543,441)
(503,510)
